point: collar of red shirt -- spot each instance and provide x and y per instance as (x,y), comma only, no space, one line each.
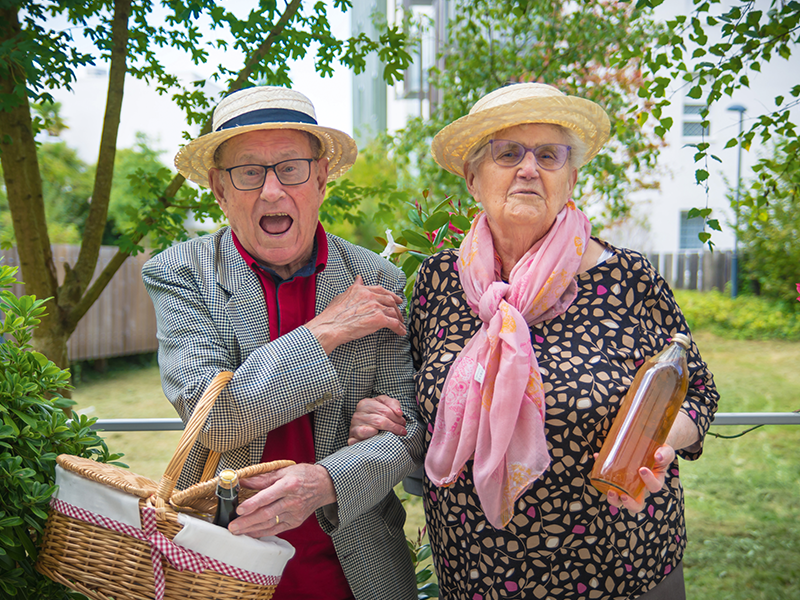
(319,259)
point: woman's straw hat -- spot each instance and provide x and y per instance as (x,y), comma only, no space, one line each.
(264,107)
(518,104)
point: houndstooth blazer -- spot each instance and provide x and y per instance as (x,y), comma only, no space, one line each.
(212,317)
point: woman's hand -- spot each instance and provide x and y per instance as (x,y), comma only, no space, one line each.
(684,434)
(653,481)
(374,415)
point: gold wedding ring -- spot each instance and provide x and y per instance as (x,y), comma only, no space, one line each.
(277,520)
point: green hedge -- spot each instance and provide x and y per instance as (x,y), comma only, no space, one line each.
(742,318)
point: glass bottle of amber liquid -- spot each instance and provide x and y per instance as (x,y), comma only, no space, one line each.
(643,422)
(227,497)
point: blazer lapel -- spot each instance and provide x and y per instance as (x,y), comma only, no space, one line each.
(332,281)
(245,306)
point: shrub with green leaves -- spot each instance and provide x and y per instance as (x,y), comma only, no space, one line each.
(741,318)
(769,228)
(420,551)
(33,430)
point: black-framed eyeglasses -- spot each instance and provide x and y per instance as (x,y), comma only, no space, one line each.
(549,157)
(294,171)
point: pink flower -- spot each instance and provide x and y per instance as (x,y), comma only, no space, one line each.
(798,291)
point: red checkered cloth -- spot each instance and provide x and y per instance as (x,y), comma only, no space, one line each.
(182,559)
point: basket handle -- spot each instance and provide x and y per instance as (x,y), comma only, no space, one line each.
(207,487)
(189,437)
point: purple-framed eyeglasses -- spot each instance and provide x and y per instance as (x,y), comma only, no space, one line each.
(549,157)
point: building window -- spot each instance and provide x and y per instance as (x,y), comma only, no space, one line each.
(690,228)
(415,80)
(693,121)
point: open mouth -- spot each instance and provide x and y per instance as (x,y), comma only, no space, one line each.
(276,224)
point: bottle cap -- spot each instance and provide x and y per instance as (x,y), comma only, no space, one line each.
(683,339)
(228,479)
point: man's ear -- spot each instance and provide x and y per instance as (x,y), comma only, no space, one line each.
(322,175)
(216,183)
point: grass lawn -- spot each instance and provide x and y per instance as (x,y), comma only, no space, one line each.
(742,496)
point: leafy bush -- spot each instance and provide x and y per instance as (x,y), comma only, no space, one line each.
(769,227)
(33,431)
(434,226)
(420,551)
(742,318)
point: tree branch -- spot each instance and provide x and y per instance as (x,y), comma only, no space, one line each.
(103,279)
(77,280)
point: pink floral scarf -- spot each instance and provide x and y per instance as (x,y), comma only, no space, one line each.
(492,407)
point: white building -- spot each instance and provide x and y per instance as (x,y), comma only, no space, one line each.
(660,221)
(665,210)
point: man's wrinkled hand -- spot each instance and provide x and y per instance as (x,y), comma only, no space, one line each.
(357,312)
(287,498)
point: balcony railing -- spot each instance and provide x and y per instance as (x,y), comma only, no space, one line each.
(413,483)
(754,418)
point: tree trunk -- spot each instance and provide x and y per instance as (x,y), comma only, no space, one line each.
(24,185)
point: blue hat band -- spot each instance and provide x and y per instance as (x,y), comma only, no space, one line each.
(268,115)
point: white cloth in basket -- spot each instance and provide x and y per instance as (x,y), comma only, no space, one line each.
(266,556)
(97,498)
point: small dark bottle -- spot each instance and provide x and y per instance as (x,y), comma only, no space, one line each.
(227,498)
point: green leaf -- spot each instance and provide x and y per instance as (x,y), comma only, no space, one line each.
(27,419)
(415,239)
(423,575)
(40,358)
(21,535)
(415,219)
(424,552)
(443,230)
(461,222)
(436,220)
(410,265)
(10,521)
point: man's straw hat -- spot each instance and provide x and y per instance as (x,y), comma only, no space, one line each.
(264,107)
(518,104)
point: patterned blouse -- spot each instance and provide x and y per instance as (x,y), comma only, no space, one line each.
(565,540)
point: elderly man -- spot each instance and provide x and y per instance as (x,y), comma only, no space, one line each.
(310,325)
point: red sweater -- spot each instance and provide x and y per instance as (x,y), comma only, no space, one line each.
(314,572)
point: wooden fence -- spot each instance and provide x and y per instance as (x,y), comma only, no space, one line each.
(702,271)
(122,321)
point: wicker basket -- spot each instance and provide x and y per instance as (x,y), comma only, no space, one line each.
(106,564)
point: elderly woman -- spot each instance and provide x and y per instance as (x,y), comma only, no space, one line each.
(526,341)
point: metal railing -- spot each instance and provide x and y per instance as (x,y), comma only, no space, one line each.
(754,418)
(413,483)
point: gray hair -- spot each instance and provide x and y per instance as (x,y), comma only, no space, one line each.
(480,151)
(313,141)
